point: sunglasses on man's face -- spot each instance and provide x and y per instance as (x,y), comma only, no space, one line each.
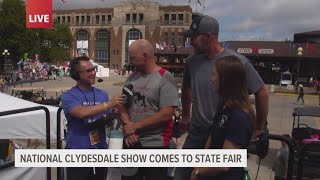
(88,70)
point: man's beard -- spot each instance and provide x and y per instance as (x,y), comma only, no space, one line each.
(139,69)
(203,48)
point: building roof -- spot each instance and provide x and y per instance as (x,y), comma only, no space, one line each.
(258,48)
(274,48)
(83,11)
(175,8)
(304,37)
(310,33)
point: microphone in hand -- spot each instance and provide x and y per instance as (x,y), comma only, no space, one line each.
(99,79)
(128,92)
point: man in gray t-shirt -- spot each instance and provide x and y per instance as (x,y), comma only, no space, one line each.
(205,100)
(150,93)
(197,87)
(147,113)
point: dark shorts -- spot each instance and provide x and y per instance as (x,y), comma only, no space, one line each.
(176,133)
(196,139)
(279,178)
(156,173)
(86,173)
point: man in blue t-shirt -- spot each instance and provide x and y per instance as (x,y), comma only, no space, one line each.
(85,108)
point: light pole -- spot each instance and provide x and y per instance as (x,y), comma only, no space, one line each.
(6,54)
(299,53)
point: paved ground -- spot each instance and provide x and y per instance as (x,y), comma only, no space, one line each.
(280,116)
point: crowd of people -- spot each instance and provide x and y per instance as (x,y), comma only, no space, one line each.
(149,116)
(31,69)
(124,71)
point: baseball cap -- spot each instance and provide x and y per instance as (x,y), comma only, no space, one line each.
(201,25)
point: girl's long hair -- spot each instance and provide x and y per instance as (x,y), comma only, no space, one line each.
(233,86)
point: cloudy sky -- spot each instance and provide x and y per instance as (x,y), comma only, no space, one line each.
(240,19)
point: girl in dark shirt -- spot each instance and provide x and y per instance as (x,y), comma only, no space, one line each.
(234,122)
(176,129)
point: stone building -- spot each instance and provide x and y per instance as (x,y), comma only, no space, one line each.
(104,34)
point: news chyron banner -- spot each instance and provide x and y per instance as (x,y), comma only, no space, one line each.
(39,13)
(130,158)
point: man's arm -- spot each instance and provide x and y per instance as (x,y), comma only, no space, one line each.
(124,115)
(262,107)
(72,105)
(158,118)
(256,86)
(186,98)
(81,112)
(125,119)
(213,171)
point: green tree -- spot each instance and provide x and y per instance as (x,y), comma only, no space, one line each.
(51,44)
(54,44)
(14,36)
(61,43)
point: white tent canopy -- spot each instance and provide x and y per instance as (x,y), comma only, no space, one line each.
(28,125)
(101,71)
(286,78)
(23,173)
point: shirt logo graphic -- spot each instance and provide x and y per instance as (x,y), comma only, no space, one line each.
(195,26)
(223,120)
(139,100)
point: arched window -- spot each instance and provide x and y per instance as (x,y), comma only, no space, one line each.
(82,43)
(132,34)
(102,50)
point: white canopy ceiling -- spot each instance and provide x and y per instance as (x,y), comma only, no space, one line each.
(29,125)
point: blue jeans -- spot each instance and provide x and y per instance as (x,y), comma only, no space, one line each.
(196,139)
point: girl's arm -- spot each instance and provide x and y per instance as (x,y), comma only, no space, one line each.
(208,143)
(213,171)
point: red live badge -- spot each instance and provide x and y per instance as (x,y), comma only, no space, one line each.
(39,13)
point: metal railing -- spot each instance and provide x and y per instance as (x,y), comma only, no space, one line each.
(18,111)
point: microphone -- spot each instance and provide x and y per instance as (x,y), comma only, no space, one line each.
(128,91)
(99,79)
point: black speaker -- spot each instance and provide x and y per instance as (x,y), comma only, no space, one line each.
(73,71)
(73,67)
